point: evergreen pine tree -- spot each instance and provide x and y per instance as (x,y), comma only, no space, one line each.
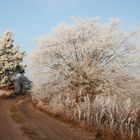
(10,61)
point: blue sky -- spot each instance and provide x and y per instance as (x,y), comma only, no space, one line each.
(29,19)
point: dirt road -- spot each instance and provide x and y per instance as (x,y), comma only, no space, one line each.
(8,129)
(19,120)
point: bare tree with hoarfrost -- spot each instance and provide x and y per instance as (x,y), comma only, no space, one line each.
(10,61)
(88,71)
(87,58)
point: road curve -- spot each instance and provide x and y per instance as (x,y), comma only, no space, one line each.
(38,126)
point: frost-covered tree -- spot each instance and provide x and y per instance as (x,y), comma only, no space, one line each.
(22,84)
(90,71)
(10,61)
(87,58)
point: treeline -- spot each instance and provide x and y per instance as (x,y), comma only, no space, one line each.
(86,72)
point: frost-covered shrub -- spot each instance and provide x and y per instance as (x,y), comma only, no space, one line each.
(116,116)
(6,93)
(1,92)
(113,117)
